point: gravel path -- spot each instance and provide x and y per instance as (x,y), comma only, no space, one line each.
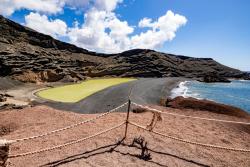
(144,91)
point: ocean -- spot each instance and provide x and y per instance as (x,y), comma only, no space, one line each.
(236,93)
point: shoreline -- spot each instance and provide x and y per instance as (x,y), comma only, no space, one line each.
(179,90)
(208,92)
(172,88)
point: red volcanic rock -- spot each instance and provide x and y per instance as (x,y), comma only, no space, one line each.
(192,103)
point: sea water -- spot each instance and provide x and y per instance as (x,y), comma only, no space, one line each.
(236,93)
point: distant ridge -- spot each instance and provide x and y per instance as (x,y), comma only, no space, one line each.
(28,55)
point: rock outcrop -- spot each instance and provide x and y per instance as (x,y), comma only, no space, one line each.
(23,50)
(213,77)
(192,103)
(37,77)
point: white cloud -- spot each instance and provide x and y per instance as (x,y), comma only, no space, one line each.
(102,30)
(78,3)
(167,22)
(42,24)
(107,5)
(145,22)
(8,7)
(162,30)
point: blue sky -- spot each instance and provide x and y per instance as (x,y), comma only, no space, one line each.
(219,29)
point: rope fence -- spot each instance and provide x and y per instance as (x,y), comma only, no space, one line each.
(126,123)
(70,126)
(186,116)
(189,142)
(66,144)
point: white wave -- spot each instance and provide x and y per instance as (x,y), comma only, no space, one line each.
(240,80)
(180,90)
(245,81)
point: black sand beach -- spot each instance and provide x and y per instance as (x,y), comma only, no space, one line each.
(144,91)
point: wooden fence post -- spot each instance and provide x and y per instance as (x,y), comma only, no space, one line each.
(128,111)
(4,151)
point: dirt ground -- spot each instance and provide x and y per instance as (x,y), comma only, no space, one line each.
(106,150)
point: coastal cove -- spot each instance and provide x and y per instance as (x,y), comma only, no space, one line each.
(83,85)
(236,93)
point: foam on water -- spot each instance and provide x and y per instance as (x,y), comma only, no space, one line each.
(236,93)
(180,90)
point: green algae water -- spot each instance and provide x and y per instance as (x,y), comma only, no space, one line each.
(76,92)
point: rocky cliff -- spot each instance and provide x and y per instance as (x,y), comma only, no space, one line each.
(27,55)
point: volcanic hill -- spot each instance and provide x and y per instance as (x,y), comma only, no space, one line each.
(30,56)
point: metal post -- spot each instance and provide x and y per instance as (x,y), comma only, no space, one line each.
(128,111)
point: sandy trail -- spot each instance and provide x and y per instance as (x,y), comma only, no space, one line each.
(97,151)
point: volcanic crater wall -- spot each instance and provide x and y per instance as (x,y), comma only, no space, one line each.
(24,51)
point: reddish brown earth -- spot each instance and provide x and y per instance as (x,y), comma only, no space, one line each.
(207,105)
(96,152)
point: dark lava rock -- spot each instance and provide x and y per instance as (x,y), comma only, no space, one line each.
(12,106)
(213,77)
(23,49)
(2,98)
(192,103)
(68,78)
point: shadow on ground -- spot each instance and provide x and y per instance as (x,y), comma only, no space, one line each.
(138,143)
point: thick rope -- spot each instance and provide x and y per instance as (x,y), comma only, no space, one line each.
(66,144)
(191,142)
(70,126)
(186,116)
